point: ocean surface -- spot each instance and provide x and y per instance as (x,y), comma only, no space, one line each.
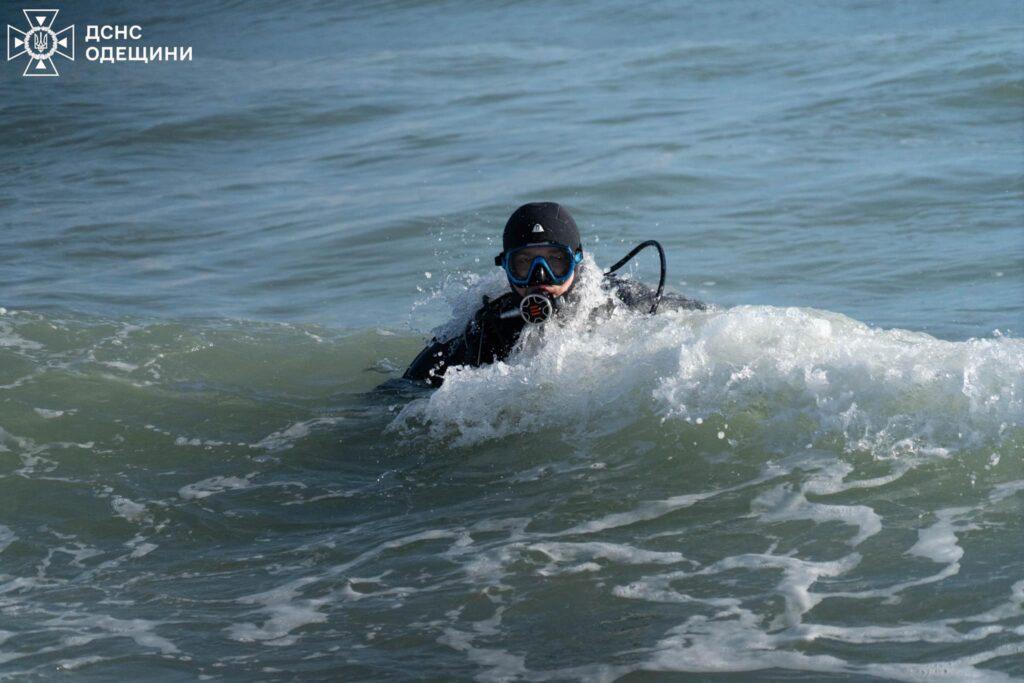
(206,268)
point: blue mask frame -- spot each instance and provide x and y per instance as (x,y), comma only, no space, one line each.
(538,262)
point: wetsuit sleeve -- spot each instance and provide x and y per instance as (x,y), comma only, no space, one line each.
(432,362)
(488,338)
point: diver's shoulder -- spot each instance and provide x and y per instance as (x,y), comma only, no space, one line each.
(677,301)
(498,304)
(638,295)
(490,312)
(506,298)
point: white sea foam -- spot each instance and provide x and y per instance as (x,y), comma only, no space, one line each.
(646,511)
(887,391)
(570,558)
(121,365)
(10,339)
(1004,491)
(143,549)
(733,641)
(782,503)
(213,485)
(92,626)
(285,612)
(48,414)
(734,638)
(285,438)
(76,663)
(128,509)
(938,542)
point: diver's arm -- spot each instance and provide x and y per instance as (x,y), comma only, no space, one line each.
(464,349)
(488,337)
(432,362)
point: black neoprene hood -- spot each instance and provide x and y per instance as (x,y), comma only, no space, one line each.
(540,222)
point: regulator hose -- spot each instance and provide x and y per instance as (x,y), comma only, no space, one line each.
(661,257)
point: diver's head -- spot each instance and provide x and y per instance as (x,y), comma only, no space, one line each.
(541,250)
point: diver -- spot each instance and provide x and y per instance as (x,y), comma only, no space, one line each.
(543,261)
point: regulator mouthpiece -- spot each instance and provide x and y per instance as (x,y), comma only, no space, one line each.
(536,308)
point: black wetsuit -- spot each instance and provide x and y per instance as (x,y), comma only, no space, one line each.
(488,337)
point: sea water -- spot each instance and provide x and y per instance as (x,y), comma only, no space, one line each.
(207,267)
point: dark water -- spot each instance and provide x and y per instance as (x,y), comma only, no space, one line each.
(205,267)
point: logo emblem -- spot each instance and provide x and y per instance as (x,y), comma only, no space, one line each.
(40,42)
(537,227)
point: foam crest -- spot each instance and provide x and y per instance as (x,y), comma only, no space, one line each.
(213,485)
(884,390)
(586,555)
(736,638)
(285,612)
(800,373)
(938,542)
(733,641)
(653,509)
(9,338)
(95,626)
(783,503)
(286,438)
